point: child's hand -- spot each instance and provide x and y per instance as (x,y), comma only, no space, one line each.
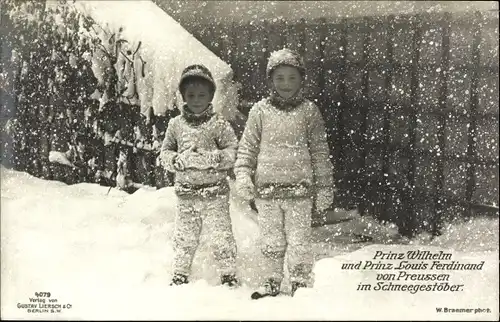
(245,187)
(179,164)
(213,158)
(182,161)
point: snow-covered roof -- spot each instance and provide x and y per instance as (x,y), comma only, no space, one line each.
(165,45)
(145,21)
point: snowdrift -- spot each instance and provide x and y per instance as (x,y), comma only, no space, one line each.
(110,256)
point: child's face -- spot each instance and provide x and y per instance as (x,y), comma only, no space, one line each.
(197,97)
(287,81)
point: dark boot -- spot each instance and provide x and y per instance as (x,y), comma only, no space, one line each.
(179,279)
(270,288)
(296,285)
(229,280)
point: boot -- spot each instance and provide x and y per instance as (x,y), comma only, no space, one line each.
(270,288)
(179,279)
(229,280)
(296,285)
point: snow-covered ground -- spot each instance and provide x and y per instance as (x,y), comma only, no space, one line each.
(109,256)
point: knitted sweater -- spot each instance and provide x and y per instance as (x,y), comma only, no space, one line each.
(211,132)
(285,151)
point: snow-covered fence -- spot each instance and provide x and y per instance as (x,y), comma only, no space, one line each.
(414,97)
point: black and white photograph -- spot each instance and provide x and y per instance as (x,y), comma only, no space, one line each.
(249,160)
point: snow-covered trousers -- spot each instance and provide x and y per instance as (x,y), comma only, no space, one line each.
(211,213)
(285,227)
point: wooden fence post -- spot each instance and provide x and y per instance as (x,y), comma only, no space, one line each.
(364,105)
(439,198)
(474,102)
(301,30)
(283,35)
(323,95)
(386,137)
(410,221)
(245,35)
(262,62)
(233,55)
(321,48)
(343,98)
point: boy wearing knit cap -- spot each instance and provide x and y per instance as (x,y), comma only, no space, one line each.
(200,147)
(283,164)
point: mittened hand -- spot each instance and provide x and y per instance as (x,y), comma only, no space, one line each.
(180,162)
(179,165)
(324,199)
(212,158)
(184,160)
(245,187)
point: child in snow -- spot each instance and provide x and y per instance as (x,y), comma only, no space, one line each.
(283,164)
(200,147)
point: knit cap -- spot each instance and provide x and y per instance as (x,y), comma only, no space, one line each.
(196,71)
(286,57)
